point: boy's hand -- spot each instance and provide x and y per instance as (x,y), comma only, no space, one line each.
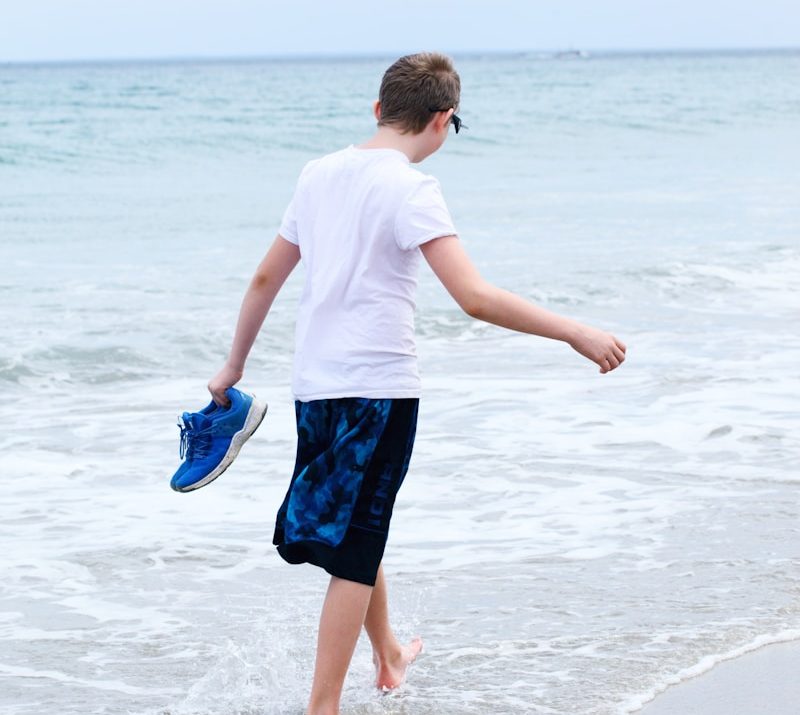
(600,347)
(225,378)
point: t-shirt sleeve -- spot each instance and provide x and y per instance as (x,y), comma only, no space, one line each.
(423,216)
(288,227)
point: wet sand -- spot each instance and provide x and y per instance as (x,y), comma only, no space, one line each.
(759,682)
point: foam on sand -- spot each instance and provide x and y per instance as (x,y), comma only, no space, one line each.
(757,677)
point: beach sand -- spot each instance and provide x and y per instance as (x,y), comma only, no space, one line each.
(756,683)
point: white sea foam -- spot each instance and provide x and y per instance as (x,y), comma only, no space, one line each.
(638,701)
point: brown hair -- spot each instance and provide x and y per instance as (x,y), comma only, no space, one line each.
(413,86)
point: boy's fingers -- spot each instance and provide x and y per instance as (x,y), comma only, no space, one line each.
(609,363)
(218,396)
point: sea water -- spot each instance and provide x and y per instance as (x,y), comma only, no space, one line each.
(565,541)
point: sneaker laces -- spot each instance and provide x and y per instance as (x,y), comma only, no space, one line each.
(194,442)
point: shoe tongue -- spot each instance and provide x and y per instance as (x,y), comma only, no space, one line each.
(197,420)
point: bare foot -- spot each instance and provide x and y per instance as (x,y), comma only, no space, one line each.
(391,673)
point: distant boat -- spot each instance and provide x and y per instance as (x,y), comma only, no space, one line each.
(571,55)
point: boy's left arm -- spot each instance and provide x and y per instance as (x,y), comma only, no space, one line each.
(269,277)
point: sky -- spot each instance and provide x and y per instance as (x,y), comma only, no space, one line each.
(46,30)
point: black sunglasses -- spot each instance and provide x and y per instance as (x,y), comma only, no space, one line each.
(455,119)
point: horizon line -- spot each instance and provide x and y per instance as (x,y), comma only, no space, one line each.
(368,55)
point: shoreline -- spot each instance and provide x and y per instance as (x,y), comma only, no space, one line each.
(756,678)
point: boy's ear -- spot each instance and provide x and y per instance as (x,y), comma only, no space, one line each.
(376,109)
(442,119)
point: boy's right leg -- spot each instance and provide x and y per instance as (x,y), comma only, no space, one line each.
(391,659)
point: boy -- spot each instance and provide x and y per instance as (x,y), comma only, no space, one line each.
(360,219)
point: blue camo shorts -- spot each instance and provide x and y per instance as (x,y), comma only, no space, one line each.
(352,456)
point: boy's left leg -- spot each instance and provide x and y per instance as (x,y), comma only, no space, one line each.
(340,625)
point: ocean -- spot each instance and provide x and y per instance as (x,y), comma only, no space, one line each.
(564,542)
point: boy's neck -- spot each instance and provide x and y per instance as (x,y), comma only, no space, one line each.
(415,146)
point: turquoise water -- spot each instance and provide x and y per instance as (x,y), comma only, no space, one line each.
(565,541)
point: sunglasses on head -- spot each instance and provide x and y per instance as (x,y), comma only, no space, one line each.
(455,119)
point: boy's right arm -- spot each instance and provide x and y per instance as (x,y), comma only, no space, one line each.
(269,277)
(487,302)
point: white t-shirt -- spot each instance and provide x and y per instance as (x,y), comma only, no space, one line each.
(359,217)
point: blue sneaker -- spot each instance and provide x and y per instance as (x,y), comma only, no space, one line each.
(211,438)
(209,410)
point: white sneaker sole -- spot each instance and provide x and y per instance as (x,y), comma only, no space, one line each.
(255,415)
